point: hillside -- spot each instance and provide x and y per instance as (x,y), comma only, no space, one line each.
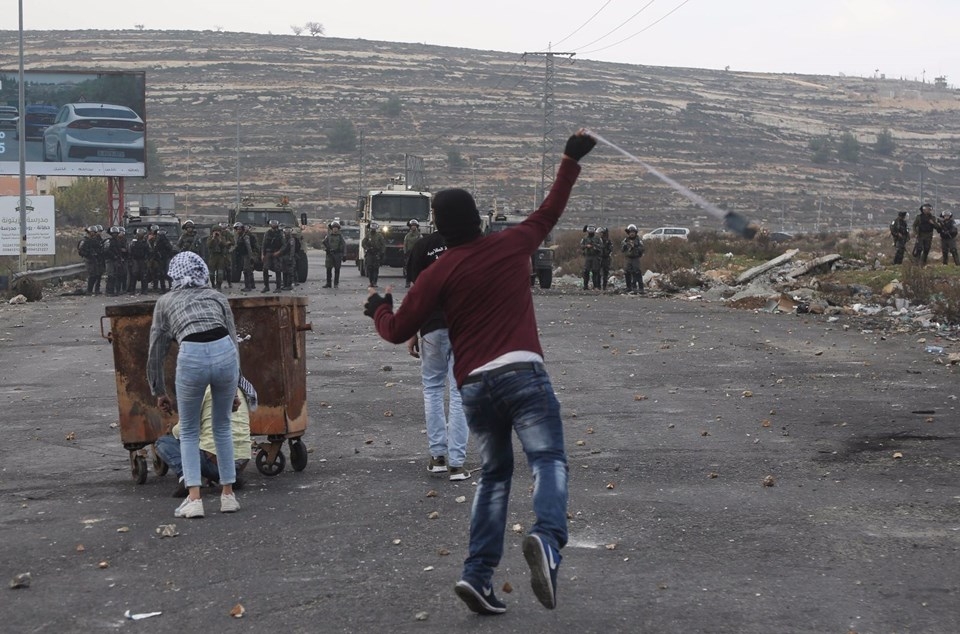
(738,139)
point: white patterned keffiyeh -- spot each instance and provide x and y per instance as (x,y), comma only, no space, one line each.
(188,270)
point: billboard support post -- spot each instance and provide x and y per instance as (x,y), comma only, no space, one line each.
(115,201)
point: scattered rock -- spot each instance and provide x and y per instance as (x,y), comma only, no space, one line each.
(22,580)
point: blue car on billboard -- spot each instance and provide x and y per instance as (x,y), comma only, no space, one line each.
(38,118)
(100,132)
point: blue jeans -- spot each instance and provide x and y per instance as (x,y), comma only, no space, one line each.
(168,448)
(521,401)
(447,435)
(198,365)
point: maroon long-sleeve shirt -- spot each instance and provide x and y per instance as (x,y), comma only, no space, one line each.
(483,288)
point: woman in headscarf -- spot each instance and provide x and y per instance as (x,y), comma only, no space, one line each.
(200,320)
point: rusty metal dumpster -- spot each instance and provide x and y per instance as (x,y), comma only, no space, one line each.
(272,357)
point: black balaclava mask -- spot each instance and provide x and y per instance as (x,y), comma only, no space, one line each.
(456,216)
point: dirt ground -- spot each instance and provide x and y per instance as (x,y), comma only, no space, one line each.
(676,414)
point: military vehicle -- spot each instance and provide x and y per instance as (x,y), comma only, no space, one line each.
(138,212)
(392,208)
(257,212)
(541,264)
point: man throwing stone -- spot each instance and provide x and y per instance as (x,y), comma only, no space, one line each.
(482,283)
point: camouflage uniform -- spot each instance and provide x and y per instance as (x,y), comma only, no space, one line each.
(632,247)
(272,242)
(218,255)
(113,259)
(334,245)
(606,257)
(374,248)
(90,249)
(923,226)
(287,257)
(592,249)
(231,241)
(948,238)
(189,240)
(245,252)
(138,262)
(901,234)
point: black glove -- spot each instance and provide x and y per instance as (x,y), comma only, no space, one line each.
(374,302)
(578,146)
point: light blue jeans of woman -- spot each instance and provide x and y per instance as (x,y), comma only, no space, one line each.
(447,435)
(520,401)
(198,365)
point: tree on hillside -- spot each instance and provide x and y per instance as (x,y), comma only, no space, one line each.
(885,144)
(822,147)
(81,203)
(455,161)
(297,30)
(849,150)
(138,27)
(393,106)
(314,28)
(342,137)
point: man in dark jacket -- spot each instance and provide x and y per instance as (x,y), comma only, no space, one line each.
(924,225)
(901,234)
(948,238)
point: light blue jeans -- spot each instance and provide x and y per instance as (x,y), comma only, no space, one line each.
(198,365)
(447,435)
(520,401)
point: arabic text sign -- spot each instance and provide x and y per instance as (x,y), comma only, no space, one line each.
(41,235)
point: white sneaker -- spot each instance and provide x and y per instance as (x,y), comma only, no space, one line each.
(189,508)
(228,503)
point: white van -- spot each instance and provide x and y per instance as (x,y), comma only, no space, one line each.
(666,233)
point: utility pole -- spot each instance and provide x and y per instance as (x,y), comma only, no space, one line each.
(546,164)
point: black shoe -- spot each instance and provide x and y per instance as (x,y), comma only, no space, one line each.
(181,490)
(481,602)
(287,288)
(543,560)
(266,289)
(326,286)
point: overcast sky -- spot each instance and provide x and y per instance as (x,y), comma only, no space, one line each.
(913,39)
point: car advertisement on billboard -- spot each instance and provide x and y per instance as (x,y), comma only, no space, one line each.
(74,123)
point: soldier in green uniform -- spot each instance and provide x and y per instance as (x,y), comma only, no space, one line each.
(408,241)
(924,225)
(592,249)
(90,248)
(231,241)
(287,255)
(606,256)
(375,249)
(948,238)
(272,242)
(632,247)
(334,245)
(217,257)
(138,262)
(901,234)
(189,240)
(245,253)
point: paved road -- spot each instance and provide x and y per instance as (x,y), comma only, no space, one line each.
(675,414)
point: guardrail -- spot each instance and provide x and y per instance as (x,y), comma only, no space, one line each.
(52,273)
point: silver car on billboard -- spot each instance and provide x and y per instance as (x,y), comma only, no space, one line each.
(96,132)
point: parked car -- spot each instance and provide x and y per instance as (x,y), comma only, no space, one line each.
(781,236)
(351,239)
(36,119)
(667,233)
(9,117)
(99,132)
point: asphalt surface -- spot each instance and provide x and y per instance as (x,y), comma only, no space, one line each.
(675,411)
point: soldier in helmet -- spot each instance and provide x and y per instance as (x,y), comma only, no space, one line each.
(90,248)
(113,259)
(231,240)
(246,252)
(138,262)
(269,252)
(901,234)
(334,245)
(592,249)
(408,241)
(374,250)
(606,256)
(632,247)
(217,257)
(189,240)
(924,225)
(286,253)
(948,238)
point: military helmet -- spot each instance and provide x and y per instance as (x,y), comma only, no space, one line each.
(631,227)
(222,225)
(238,225)
(114,230)
(591,229)
(162,232)
(335,223)
(91,229)
(141,231)
(187,223)
(413,222)
(901,213)
(274,223)
(947,214)
(287,229)
(122,229)
(154,227)
(604,231)
(926,206)
(374,226)
(99,228)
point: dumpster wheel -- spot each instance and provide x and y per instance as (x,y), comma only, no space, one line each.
(138,467)
(298,454)
(270,468)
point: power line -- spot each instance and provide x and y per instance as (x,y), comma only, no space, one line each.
(585,23)
(649,26)
(620,26)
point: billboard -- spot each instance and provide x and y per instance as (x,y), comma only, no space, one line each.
(41,238)
(74,123)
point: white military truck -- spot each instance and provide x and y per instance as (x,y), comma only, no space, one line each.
(392,208)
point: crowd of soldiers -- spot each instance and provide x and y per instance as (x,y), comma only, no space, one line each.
(924,225)
(597,251)
(139,266)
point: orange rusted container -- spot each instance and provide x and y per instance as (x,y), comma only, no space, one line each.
(272,357)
